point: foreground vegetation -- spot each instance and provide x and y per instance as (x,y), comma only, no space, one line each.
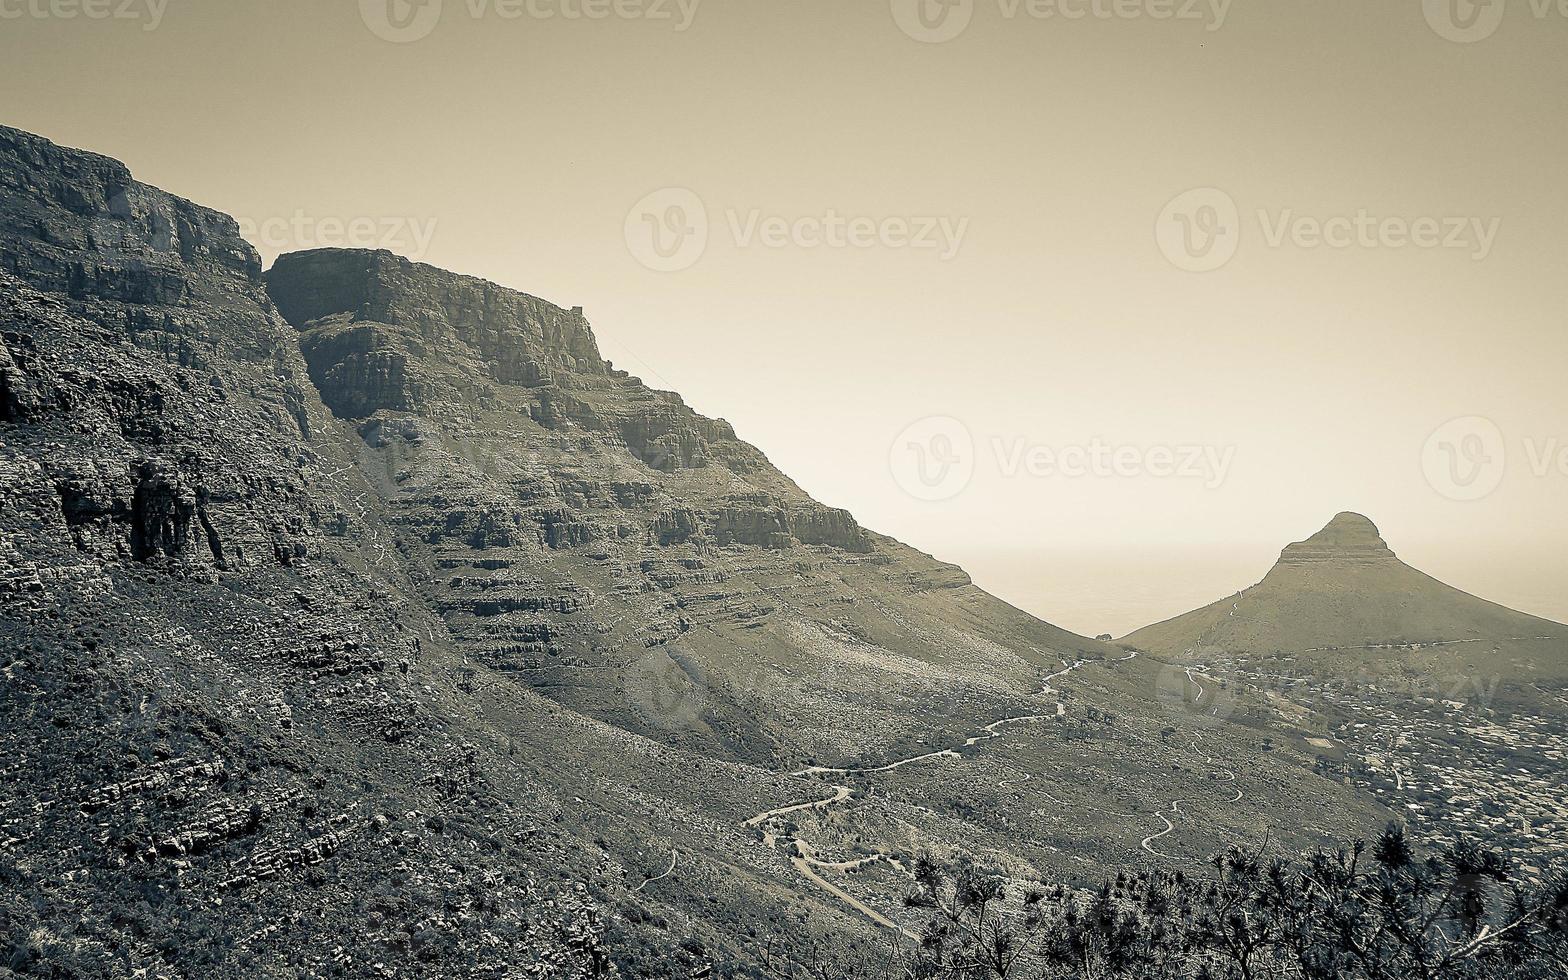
(1368,912)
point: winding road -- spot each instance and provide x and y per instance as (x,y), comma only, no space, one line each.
(1148,842)
(1175,809)
(805,861)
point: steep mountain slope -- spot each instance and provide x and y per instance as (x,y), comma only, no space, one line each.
(1341,599)
(625,555)
(231,742)
(260,713)
(603,543)
(396,633)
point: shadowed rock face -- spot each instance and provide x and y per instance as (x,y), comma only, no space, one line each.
(139,332)
(1347,538)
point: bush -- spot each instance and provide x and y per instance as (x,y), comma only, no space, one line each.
(1378,913)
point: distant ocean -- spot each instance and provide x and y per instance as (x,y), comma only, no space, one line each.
(1095,592)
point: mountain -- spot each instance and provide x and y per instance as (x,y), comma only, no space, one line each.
(233,744)
(281,603)
(622,554)
(1343,601)
(358,618)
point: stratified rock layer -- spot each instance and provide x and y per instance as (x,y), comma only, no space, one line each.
(1347,538)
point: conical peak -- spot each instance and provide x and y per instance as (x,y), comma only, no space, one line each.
(1349,537)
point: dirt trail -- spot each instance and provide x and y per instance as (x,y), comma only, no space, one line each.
(802,866)
(805,861)
(840,794)
(1208,760)
(674,857)
(1148,842)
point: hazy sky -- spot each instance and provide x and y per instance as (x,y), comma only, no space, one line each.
(974,228)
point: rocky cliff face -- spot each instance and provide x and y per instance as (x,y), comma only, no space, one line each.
(572,518)
(139,338)
(215,693)
(385,333)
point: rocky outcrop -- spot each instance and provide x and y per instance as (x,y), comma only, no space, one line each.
(76,225)
(1347,538)
(506,328)
(762,522)
(162,780)
(362,369)
(14,400)
(169,516)
(671,439)
(830,527)
(381,332)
